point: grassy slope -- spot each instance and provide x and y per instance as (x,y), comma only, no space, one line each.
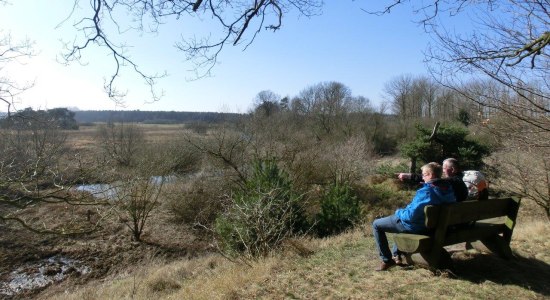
(339,267)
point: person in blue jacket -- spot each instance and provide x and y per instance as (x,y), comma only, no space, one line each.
(434,191)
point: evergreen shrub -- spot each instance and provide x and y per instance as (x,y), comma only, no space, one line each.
(262,214)
(339,210)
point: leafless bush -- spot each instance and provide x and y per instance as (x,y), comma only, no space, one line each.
(33,149)
(196,201)
(167,158)
(199,127)
(348,161)
(320,162)
(257,227)
(525,173)
(226,149)
(136,199)
(31,177)
(121,142)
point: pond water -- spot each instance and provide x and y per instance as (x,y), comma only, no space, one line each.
(40,274)
(166,179)
(109,191)
(99,190)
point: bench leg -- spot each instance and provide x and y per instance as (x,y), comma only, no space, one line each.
(427,260)
(495,244)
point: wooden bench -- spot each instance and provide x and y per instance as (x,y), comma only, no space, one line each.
(487,224)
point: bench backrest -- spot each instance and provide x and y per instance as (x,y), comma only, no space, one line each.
(442,217)
(468,211)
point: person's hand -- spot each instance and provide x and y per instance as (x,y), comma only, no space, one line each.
(404,176)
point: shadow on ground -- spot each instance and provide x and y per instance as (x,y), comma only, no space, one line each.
(529,273)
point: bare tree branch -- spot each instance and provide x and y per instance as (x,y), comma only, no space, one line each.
(233,18)
(12,52)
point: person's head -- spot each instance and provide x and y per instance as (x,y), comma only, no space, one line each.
(431,171)
(450,167)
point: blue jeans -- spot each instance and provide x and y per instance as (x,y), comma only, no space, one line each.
(390,224)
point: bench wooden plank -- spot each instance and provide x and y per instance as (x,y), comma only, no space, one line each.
(469,211)
(411,243)
(473,233)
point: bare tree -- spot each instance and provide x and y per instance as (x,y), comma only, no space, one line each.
(508,44)
(228,148)
(121,142)
(137,198)
(399,91)
(413,97)
(525,173)
(328,104)
(31,176)
(267,103)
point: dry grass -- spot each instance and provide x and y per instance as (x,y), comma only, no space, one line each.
(86,137)
(341,267)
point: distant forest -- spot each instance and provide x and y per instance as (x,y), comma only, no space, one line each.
(152,117)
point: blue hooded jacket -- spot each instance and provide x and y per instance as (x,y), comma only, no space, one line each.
(432,193)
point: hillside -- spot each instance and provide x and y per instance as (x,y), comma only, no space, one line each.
(341,267)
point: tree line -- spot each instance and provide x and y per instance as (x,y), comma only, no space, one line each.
(29,118)
(154,117)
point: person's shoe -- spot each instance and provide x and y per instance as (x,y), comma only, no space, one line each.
(397,260)
(386,265)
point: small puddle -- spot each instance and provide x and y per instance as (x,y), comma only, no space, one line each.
(40,274)
(100,190)
(109,191)
(163,179)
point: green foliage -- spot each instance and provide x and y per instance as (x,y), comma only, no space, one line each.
(450,141)
(464,117)
(388,170)
(382,198)
(339,210)
(384,143)
(261,215)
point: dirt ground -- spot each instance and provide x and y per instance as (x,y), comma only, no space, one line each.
(74,260)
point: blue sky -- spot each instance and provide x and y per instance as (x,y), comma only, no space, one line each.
(344,44)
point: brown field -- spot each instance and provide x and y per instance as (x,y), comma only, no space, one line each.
(177,261)
(86,137)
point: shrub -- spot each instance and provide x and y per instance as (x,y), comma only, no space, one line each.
(450,141)
(168,157)
(136,200)
(383,198)
(198,201)
(261,215)
(347,160)
(389,170)
(121,142)
(339,210)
